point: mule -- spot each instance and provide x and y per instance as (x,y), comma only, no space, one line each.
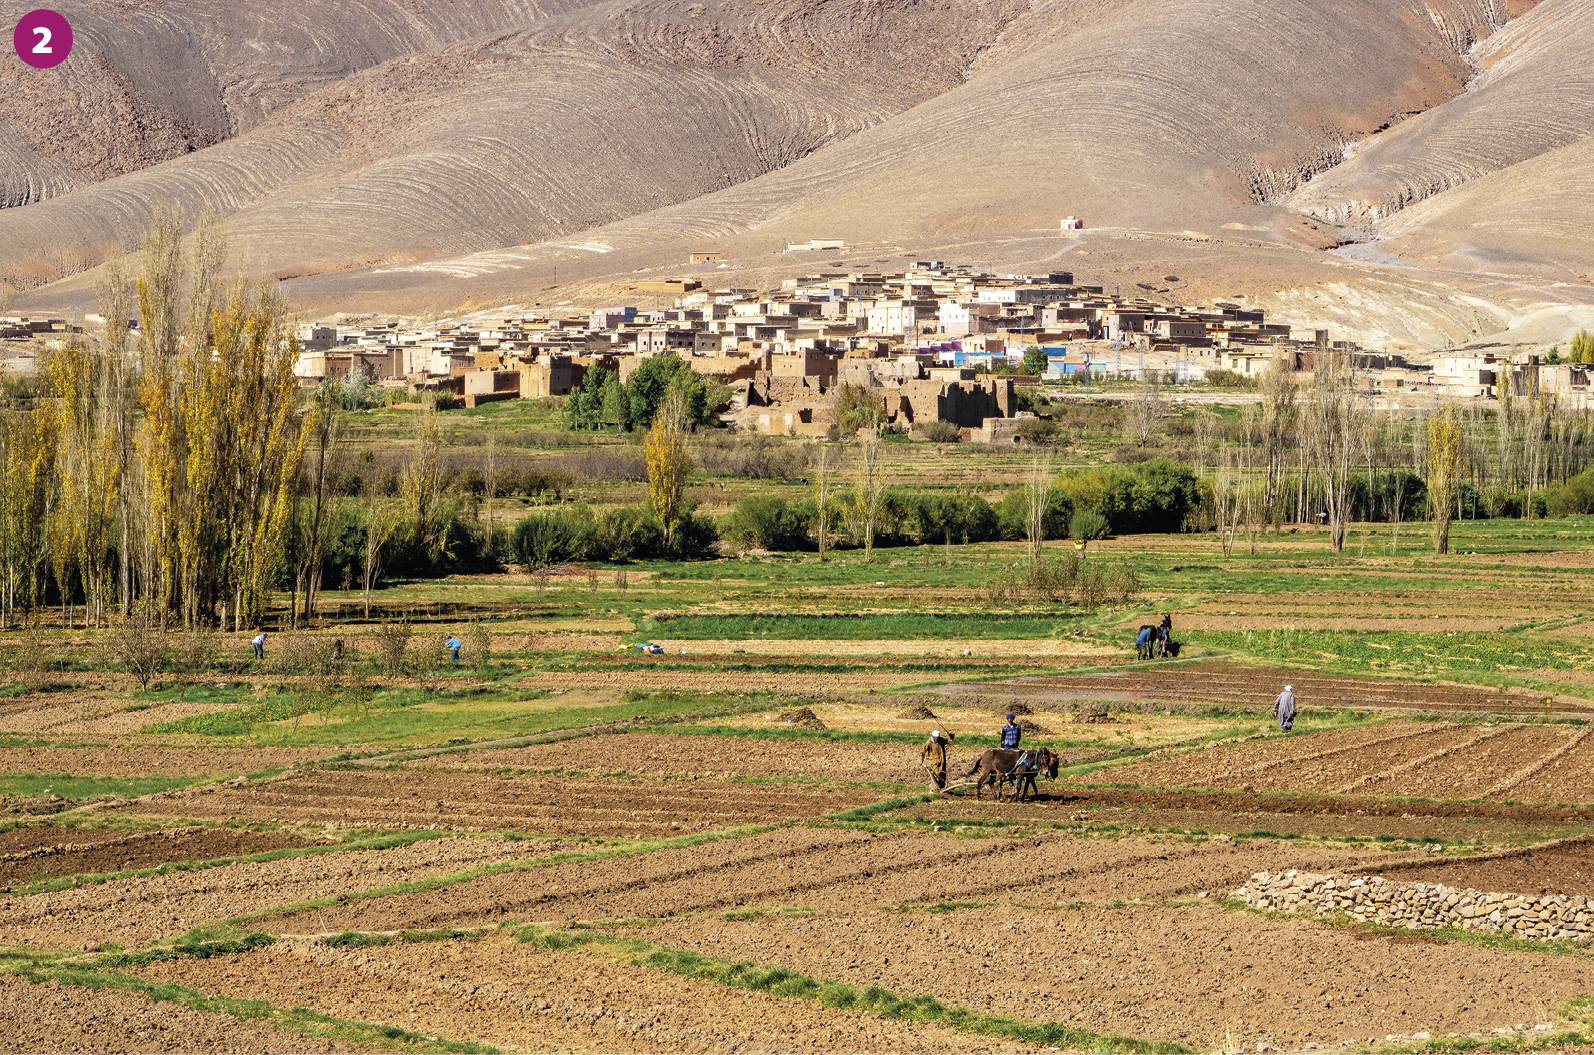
(997,766)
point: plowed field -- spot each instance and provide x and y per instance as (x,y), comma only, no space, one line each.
(520,998)
(407,798)
(1221,684)
(136,910)
(1193,974)
(834,869)
(1567,868)
(143,760)
(47,852)
(53,1017)
(1521,763)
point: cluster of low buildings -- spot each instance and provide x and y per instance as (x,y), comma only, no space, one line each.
(931,343)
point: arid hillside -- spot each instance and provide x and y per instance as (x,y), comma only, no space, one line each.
(440,162)
(581,118)
(1534,93)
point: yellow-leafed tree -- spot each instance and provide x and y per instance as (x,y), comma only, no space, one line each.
(669,463)
(1446,460)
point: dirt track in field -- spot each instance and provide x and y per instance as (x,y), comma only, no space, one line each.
(1222,684)
(518,997)
(1194,974)
(830,868)
(565,805)
(137,910)
(48,852)
(52,1017)
(1522,763)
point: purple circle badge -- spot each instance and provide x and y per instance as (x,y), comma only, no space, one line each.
(43,38)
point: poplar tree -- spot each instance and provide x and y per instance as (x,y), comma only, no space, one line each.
(668,463)
(1446,457)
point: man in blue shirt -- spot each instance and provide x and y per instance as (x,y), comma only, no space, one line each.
(454,644)
(1010,733)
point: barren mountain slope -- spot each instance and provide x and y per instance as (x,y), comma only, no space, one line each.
(1535,93)
(1533,218)
(588,117)
(151,81)
(1159,114)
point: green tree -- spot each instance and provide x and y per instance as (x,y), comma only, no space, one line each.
(616,408)
(668,463)
(1035,360)
(584,408)
(654,379)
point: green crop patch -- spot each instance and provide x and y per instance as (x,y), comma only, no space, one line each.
(67,786)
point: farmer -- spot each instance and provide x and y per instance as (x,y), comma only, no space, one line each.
(454,644)
(1284,709)
(260,645)
(1011,733)
(933,757)
(1143,643)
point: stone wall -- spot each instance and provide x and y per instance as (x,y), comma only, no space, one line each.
(1422,906)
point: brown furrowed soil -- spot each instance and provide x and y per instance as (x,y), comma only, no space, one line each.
(92,713)
(518,997)
(53,1017)
(46,852)
(716,681)
(1416,759)
(1222,684)
(566,805)
(662,755)
(808,867)
(126,760)
(139,909)
(1194,974)
(1061,649)
(1567,868)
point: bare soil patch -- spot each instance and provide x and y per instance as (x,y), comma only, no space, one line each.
(49,853)
(1228,685)
(835,869)
(1065,649)
(801,718)
(1564,869)
(667,755)
(917,713)
(91,713)
(715,681)
(130,760)
(137,910)
(1405,758)
(1193,974)
(53,1017)
(521,998)
(414,798)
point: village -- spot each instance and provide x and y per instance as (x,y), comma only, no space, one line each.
(934,343)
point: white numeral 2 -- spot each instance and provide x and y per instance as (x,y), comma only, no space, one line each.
(43,46)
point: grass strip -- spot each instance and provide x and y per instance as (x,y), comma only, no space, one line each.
(781,981)
(361,1035)
(357,939)
(386,842)
(874,809)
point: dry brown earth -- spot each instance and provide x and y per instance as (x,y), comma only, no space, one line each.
(44,851)
(1402,758)
(1567,868)
(520,998)
(128,760)
(53,1017)
(529,803)
(835,869)
(1236,686)
(136,910)
(1195,974)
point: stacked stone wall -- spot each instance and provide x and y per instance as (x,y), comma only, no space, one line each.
(1422,906)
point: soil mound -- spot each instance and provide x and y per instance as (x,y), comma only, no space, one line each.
(802,718)
(1037,730)
(918,713)
(1096,718)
